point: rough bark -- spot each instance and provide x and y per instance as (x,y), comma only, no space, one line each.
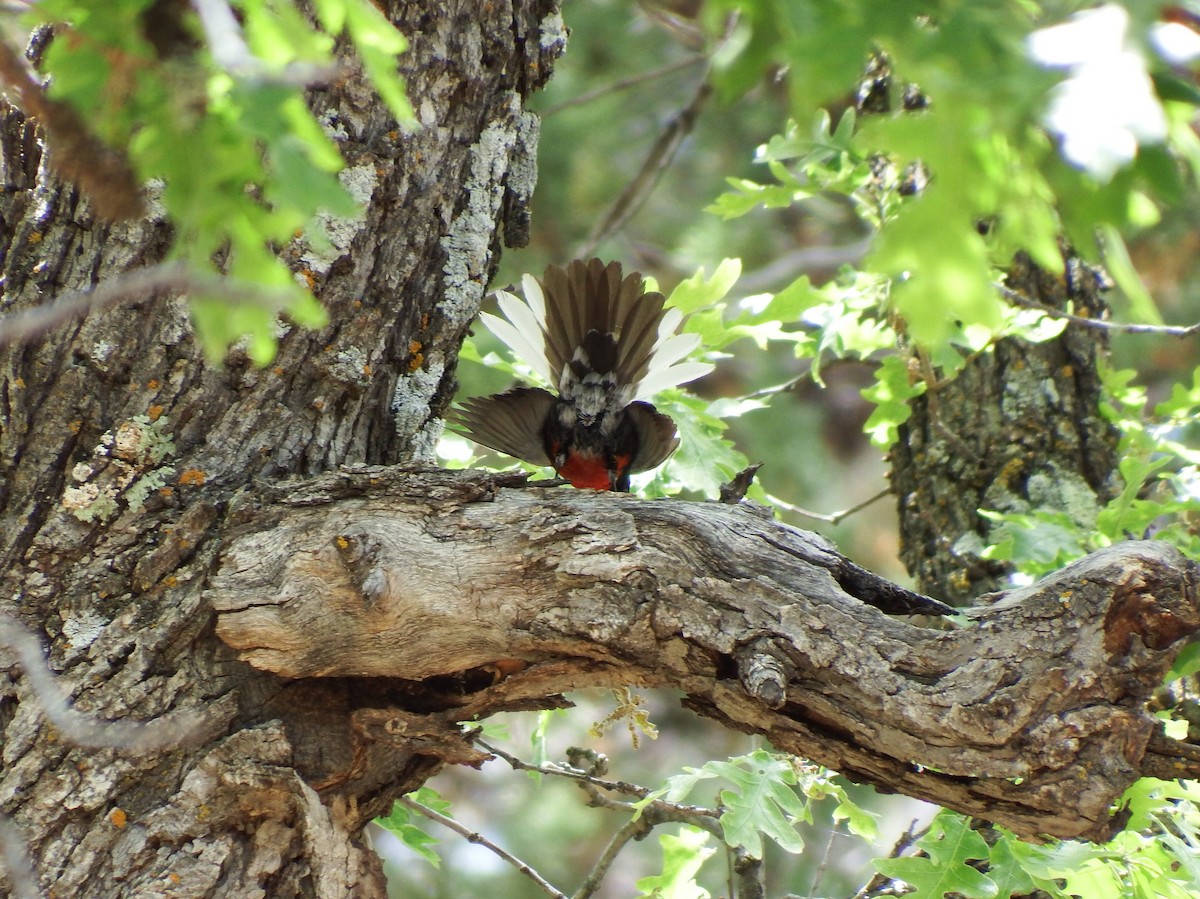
(120,449)
(1017,429)
(1033,716)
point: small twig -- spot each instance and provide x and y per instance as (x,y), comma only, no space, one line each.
(735,491)
(749,873)
(615,786)
(18,868)
(1117,327)
(172,731)
(1168,759)
(631,830)
(791,265)
(910,836)
(819,873)
(624,84)
(832,517)
(140,284)
(103,174)
(472,836)
(661,155)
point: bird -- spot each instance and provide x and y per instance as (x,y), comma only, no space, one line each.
(606,344)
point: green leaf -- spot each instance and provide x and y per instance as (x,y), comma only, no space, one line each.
(378,44)
(1005,871)
(951,844)
(697,292)
(1116,260)
(683,856)
(1147,797)
(894,387)
(1186,663)
(763,801)
(400,824)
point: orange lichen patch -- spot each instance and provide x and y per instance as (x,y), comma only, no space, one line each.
(35,236)
(118,817)
(366,369)
(318,404)
(166,491)
(277,370)
(342,542)
(309,278)
(416,362)
(170,580)
(19,382)
(155,411)
(393,134)
(425,322)
(153,383)
(192,477)
(1068,371)
(75,426)
(174,878)
(415,346)
(357,304)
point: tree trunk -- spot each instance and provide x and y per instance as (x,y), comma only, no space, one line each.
(1018,429)
(122,453)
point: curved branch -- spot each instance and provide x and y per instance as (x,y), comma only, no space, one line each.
(1032,716)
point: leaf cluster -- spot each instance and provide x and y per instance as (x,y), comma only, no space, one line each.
(212,117)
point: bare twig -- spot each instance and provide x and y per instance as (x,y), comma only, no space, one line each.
(76,154)
(472,836)
(748,871)
(615,786)
(631,830)
(22,881)
(661,155)
(832,517)
(802,260)
(624,84)
(1100,325)
(167,277)
(819,873)
(172,731)
(910,836)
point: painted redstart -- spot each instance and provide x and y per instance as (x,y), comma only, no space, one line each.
(607,345)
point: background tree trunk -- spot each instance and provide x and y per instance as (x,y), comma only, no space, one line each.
(1017,429)
(122,451)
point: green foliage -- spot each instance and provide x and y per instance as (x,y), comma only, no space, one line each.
(1154,858)
(223,135)
(400,824)
(770,793)
(950,846)
(682,857)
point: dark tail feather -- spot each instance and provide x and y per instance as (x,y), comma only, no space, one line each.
(591,296)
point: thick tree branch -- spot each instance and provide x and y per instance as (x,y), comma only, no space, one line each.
(1033,716)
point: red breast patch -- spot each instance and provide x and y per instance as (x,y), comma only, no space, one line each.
(586,472)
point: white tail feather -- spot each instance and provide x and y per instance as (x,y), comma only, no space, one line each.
(671,376)
(519,343)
